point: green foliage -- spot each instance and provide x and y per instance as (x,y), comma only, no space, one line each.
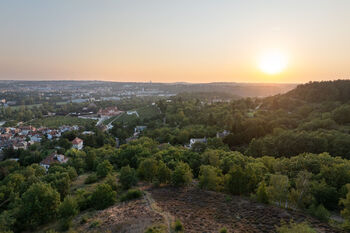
(148,169)
(223,230)
(182,175)
(92,178)
(300,196)
(342,114)
(104,168)
(68,208)
(57,121)
(295,227)
(209,177)
(40,205)
(236,181)
(319,212)
(103,196)
(278,189)
(163,173)
(131,194)
(94,224)
(346,211)
(111,181)
(261,193)
(127,177)
(178,227)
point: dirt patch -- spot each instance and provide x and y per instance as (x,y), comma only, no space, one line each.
(203,211)
(127,217)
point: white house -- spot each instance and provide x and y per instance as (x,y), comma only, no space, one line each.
(78,143)
(53,158)
(197,140)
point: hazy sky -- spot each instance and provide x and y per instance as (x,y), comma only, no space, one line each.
(170,41)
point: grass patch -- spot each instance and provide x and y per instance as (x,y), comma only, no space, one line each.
(57,121)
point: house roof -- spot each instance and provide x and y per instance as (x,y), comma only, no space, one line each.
(52,159)
(77,141)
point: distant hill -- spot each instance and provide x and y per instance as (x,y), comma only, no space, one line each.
(338,90)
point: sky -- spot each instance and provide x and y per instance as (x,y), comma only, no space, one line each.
(174,41)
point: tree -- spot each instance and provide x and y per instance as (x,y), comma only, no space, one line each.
(237,181)
(67,210)
(208,177)
(300,195)
(278,189)
(40,204)
(103,197)
(261,194)
(104,168)
(164,173)
(148,169)
(182,175)
(127,177)
(346,211)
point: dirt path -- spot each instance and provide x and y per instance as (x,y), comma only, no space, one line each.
(168,218)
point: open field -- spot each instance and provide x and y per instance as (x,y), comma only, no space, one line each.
(145,112)
(56,121)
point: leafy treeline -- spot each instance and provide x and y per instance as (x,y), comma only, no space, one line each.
(322,91)
(30,197)
(282,125)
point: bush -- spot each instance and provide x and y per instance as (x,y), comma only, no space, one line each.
(261,194)
(131,194)
(103,197)
(319,212)
(223,230)
(104,168)
(295,227)
(68,208)
(40,204)
(208,177)
(111,181)
(94,224)
(178,226)
(182,175)
(91,179)
(127,177)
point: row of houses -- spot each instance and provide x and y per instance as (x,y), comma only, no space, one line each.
(23,136)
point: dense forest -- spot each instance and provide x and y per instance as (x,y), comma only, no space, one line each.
(289,150)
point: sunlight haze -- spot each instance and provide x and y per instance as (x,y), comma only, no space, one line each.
(175,41)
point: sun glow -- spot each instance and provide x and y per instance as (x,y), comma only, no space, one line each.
(273,62)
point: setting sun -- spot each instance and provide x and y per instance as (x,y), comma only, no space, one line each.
(273,62)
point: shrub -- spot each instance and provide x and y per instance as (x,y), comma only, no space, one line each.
(295,227)
(223,230)
(104,168)
(84,220)
(94,224)
(319,212)
(40,204)
(111,181)
(103,197)
(178,226)
(127,177)
(261,194)
(182,175)
(68,208)
(131,194)
(208,177)
(91,179)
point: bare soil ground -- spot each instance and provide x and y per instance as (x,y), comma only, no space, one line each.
(204,211)
(127,217)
